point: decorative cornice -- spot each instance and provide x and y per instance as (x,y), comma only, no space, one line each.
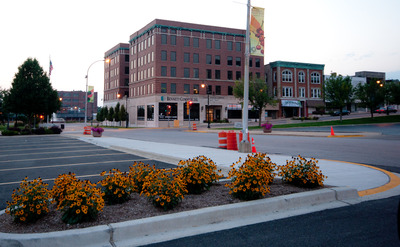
(297,65)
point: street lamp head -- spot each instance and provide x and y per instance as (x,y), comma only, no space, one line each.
(107,60)
(118,95)
(203,85)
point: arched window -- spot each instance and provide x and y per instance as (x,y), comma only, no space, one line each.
(302,77)
(286,76)
(315,78)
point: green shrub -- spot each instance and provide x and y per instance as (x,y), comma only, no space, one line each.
(116,186)
(9,133)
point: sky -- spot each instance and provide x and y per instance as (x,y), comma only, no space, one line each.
(345,35)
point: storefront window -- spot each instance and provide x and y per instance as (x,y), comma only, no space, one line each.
(194,112)
(140,112)
(150,112)
(167,111)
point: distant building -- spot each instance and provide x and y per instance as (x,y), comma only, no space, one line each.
(73,106)
(371,75)
(297,86)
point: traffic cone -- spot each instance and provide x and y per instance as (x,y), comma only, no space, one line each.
(332,132)
(253,147)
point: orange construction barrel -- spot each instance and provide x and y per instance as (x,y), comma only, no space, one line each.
(231,142)
(87,130)
(222,139)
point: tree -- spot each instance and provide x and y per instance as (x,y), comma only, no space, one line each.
(339,92)
(111,114)
(116,113)
(370,94)
(258,95)
(3,110)
(392,93)
(100,115)
(122,113)
(31,92)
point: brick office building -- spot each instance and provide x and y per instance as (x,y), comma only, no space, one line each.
(116,73)
(297,86)
(170,61)
(73,106)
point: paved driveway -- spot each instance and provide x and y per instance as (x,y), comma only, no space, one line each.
(48,156)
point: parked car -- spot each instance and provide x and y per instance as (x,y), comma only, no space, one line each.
(384,109)
(344,112)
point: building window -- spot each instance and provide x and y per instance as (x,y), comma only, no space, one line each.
(140,112)
(195,73)
(186,41)
(208,59)
(196,42)
(186,57)
(258,63)
(163,87)
(173,88)
(230,61)
(238,61)
(302,77)
(315,79)
(302,92)
(186,88)
(287,92)
(217,74)
(195,57)
(217,59)
(274,76)
(229,45)
(218,90)
(150,112)
(286,76)
(126,70)
(250,62)
(173,71)
(230,90)
(186,72)
(163,70)
(315,93)
(163,39)
(126,58)
(258,75)
(238,75)
(217,44)
(209,43)
(196,89)
(209,76)
(173,39)
(163,55)
(126,82)
(173,56)
(230,75)
(238,46)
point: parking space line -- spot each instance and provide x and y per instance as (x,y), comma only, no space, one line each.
(63,157)
(63,151)
(77,164)
(31,149)
(51,179)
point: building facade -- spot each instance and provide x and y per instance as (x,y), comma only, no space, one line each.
(171,63)
(116,73)
(73,106)
(297,87)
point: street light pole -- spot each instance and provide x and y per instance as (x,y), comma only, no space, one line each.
(87,80)
(208,104)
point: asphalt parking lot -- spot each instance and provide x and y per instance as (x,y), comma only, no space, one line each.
(48,156)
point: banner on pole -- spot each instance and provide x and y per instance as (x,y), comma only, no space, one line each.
(90,98)
(257,32)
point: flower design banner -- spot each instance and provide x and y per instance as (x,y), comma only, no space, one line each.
(257,32)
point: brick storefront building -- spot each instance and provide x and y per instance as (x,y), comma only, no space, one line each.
(168,64)
(73,106)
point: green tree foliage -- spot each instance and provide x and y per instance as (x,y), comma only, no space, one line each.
(31,92)
(339,92)
(392,92)
(110,114)
(3,110)
(370,94)
(122,113)
(100,115)
(258,95)
(116,113)
(105,113)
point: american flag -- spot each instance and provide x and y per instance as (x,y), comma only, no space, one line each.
(51,68)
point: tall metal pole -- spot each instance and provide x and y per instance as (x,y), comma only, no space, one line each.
(87,80)
(244,145)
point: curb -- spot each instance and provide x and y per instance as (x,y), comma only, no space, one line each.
(172,226)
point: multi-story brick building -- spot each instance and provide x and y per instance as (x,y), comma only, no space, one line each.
(116,73)
(171,63)
(298,87)
(73,106)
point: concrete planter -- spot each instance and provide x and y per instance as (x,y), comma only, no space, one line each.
(96,134)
